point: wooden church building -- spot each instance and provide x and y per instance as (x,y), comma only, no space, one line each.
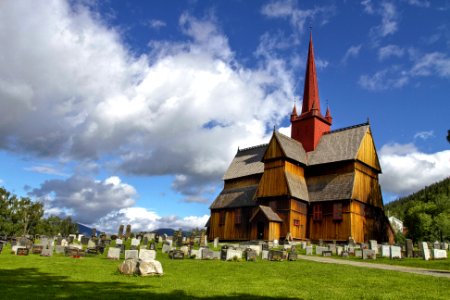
(317,184)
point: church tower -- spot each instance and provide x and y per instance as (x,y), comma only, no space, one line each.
(310,125)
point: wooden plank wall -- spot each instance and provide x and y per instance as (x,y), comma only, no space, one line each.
(273,183)
(299,211)
(327,228)
(274,231)
(367,189)
(367,152)
(229,230)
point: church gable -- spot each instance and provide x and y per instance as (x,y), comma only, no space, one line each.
(367,152)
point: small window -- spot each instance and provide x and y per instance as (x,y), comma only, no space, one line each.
(337,211)
(238,216)
(317,212)
(222,218)
(296,222)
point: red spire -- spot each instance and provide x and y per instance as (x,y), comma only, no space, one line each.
(294,113)
(311,90)
(328,115)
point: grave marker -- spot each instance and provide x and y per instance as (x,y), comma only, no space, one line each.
(113,253)
(396,252)
(146,255)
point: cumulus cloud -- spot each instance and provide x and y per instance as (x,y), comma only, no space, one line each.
(142,219)
(407,170)
(83,198)
(71,90)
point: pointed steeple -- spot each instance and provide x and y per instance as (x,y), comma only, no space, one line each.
(294,114)
(311,89)
(328,115)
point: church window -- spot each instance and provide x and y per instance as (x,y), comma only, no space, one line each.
(317,212)
(337,211)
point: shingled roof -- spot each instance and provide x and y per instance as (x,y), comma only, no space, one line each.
(331,187)
(291,148)
(297,186)
(246,162)
(268,212)
(237,197)
(338,145)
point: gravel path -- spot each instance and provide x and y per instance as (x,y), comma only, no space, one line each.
(436,273)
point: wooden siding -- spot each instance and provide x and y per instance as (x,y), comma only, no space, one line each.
(242,182)
(369,222)
(229,230)
(327,228)
(273,150)
(299,211)
(367,189)
(367,152)
(273,183)
(294,169)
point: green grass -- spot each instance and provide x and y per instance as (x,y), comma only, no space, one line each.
(97,278)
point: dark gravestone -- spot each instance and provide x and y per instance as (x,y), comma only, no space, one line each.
(145,241)
(223,252)
(409,248)
(152,246)
(59,240)
(292,255)
(37,249)
(122,248)
(265,246)
(250,254)
(70,239)
(176,254)
(22,251)
(277,255)
(84,240)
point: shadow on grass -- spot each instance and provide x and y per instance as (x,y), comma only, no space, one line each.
(31,283)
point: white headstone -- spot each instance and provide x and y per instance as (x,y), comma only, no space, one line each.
(113,253)
(369,254)
(385,251)
(119,241)
(373,246)
(150,268)
(425,251)
(275,243)
(439,254)
(185,250)
(257,248)
(196,253)
(64,243)
(146,255)
(216,242)
(231,254)
(320,249)
(131,254)
(91,244)
(265,254)
(79,237)
(339,250)
(396,252)
(135,242)
(309,250)
(358,253)
(167,246)
(216,254)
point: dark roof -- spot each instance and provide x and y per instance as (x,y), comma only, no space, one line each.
(268,212)
(246,162)
(338,145)
(291,148)
(331,187)
(237,197)
(297,186)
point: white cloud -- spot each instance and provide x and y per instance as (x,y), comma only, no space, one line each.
(85,199)
(389,51)
(389,18)
(424,135)
(407,170)
(46,169)
(385,79)
(368,6)
(142,219)
(419,3)
(156,24)
(353,51)
(182,109)
(432,63)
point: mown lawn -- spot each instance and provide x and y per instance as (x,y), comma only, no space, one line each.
(97,278)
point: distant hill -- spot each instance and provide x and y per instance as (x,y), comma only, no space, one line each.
(426,213)
(84,230)
(430,193)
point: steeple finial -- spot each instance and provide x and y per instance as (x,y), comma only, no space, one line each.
(311,89)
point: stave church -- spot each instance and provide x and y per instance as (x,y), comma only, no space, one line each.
(317,184)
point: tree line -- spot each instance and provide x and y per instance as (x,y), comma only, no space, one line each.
(426,213)
(22,216)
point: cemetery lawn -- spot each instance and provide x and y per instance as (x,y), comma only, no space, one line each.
(442,264)
(95,277)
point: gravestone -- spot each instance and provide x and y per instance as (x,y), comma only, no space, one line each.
(250,254)
(216,255)
(216,242)
(64,243)
(439,254)
(275,243)
(344,254)
(332,248)
(277,255)
(113,253)
(44,241)
(373,245)
(22,251)
(135,242)
(327,253)
(47,251)
(320,249)
(147,255)
(436,245)
(309,250)
(70,239)
(358,253)
(409,248)
(385,251)
(59,240)
(265,246)
(194,254)
(131,254)
(444,246)
(396,252)
(91,244)
(37,249)
(119,242)
(233,254)
(176,254)
(84,240)
(129,267)
(292,255)
(167,246)
(122,248)
(339,250)
(320,242)
(265,254)
(185,250)
(145,241)
(150,268)
(59,249)
(223,252)
(152,246)
(351,250)
(369,254)
(425,250)
(207,253)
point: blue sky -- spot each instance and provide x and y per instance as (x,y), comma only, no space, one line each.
(129,112)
